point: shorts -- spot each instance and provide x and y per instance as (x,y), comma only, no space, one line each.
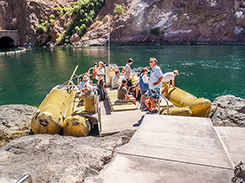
(129,82)
(143,91)
(154,93)
(164,85)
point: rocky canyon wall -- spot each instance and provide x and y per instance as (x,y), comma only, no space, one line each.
(142,21)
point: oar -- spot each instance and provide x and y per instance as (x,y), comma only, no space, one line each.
(72,75)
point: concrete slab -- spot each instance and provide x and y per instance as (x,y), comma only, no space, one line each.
(121,120)
(234,142)
(190,140)
(174,149)
(135,169)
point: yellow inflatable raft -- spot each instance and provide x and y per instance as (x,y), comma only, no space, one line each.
(199,106)
(76,126)
(49,116)
(56,111)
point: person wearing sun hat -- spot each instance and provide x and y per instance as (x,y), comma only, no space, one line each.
(167,77)
(88,98)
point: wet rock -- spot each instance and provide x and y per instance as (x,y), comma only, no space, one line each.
(74,38)
(55,158)
(15,121)
(228,110)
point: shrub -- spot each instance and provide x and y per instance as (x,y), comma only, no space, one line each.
(69,11)
(51,21)
(118,9)
(76,9)
(51,16)
(59,11)
(83,28)
(84,11)
(41,29)
(78,30)
(155,31)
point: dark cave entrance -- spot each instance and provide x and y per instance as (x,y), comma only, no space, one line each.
(6,42)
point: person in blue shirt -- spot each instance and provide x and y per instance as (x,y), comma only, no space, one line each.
(155,84)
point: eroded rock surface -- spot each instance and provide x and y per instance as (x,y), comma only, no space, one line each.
(55,158)
(228,110)
(15,122)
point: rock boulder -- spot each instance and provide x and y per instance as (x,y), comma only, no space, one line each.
(228,110)
(55,158)
(15,121)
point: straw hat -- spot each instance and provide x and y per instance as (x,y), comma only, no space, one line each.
(85,78)
(100,62)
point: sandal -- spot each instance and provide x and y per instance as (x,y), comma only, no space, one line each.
(149,112)
(154,111)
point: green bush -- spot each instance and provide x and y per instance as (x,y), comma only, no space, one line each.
(83,28)
(78,30)
(41,29)
(76,9)
(51,16)
(59,11)
(51,21)
(155,31)
(118,9)
(84,11)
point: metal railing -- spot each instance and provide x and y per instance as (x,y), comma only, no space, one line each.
(26,177)
(166,102)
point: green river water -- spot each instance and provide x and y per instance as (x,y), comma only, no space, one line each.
(205,71)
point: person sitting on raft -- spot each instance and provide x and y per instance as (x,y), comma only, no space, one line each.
(122,94)
(84,81)
(167,77)
(88,98)
(115,80)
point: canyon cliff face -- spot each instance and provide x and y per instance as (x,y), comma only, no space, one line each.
(25,16)
(142,21)
(174,22)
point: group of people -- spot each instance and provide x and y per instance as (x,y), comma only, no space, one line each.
(147,91)
(86,96)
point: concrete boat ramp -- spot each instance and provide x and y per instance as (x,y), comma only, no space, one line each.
(171,149)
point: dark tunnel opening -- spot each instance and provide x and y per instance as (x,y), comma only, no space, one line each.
(6,42)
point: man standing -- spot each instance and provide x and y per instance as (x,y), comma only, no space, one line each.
(155,84)
(115,80)
(100,80)
(167,77)
(128,73)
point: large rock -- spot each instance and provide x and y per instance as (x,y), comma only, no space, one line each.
(228,110)
(55,158)
(15,121)
(239,173)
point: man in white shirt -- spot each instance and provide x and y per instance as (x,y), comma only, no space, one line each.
(128,73)
(167,77)
(155,84)
(115,80)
